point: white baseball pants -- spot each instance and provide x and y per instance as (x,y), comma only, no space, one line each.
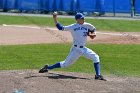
(76,52)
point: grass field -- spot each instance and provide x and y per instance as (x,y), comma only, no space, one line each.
(100,24)
(121,60)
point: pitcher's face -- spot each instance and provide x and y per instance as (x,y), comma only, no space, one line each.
(80,21)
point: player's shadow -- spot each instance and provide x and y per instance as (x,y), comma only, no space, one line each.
(61,76)
(56,76)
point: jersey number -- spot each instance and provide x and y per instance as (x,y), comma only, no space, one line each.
(84,34)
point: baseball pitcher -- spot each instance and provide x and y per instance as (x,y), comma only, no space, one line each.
(79,31)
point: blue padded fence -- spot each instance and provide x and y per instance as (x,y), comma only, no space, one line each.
(123,6)
(28,5)
(1,4)
(137,6)
(10,4)
(84,5)
(115,6)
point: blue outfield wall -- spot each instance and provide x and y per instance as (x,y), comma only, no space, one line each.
(87,5)
(123,6)
(9,4)
(28,4)
(115,6)
(1,4)
(44,5)
(137,6)
(100,5)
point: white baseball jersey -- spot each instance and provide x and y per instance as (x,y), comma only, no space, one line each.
(79,32)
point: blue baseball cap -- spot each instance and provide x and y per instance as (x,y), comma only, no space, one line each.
(79,16)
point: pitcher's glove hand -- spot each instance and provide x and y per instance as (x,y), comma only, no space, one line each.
(89,31)
(91,34)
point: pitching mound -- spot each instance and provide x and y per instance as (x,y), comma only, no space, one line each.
(30,81)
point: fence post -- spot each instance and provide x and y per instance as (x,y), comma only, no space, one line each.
(132,8)
(114,7)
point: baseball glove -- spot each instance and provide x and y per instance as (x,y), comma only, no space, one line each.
(89,32)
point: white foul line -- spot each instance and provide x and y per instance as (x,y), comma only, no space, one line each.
(21,26)
(35,27)
(32,27)
(115,34)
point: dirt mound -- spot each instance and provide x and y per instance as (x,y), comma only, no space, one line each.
(30,81)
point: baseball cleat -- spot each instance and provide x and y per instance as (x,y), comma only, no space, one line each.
(44,69)
(100,77)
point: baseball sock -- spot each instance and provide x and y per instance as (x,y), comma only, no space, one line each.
(97,68)
(57,65)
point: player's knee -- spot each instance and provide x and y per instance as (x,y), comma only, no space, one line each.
(63,64)
(96,59)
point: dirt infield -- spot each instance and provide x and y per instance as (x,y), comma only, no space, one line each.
(30,81)
(33,35)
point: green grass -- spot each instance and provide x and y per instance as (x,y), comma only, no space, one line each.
(121,60)
(100,24)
